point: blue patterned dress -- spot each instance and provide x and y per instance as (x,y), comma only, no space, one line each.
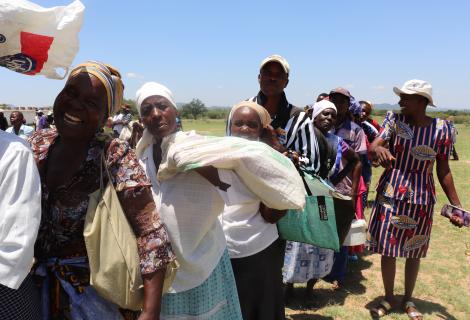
(402,216)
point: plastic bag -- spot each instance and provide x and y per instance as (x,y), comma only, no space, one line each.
(265,172)
(37,40)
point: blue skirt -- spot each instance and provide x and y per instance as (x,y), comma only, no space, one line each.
(215,299)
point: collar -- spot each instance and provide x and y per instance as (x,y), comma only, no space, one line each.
(282,116)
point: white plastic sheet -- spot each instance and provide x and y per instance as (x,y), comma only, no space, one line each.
(36,40)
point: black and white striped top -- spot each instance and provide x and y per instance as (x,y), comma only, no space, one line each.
(302,137)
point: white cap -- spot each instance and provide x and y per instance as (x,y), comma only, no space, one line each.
(276,58)
(415,86)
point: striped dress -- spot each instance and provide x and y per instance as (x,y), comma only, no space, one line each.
(402,216)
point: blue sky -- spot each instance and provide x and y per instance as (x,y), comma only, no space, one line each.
(212,49)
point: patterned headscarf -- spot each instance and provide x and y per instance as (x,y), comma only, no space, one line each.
(109,77)
(354,106)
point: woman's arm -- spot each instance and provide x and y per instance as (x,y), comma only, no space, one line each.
(381,154)
(447,181)
(153,244)
(153,286)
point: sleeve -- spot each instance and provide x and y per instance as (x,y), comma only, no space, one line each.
(20,201)
(135,194)
(445,143)
(388,126)
(302,138)
(360,141)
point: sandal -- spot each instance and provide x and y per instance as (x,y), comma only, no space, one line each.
(412,311)
(382,309)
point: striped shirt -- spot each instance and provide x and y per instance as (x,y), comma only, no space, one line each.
(296,132)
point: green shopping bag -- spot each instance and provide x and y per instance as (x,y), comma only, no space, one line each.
(316,224)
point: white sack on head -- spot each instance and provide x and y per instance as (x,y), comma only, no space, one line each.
(266,172)
(37,40)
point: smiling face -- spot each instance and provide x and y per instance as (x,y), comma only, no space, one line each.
(272,79)
(366,111)
(246,124)
(325,120)
(158,116)
(80,109)
(412,104)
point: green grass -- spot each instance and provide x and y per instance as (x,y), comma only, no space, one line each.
(443,287)
(213,127)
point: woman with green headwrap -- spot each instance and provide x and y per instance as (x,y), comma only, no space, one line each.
(69,163)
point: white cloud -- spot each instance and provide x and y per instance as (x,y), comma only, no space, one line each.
(133,75)
(378,87)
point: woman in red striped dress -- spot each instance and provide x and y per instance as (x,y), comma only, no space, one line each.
(402,216)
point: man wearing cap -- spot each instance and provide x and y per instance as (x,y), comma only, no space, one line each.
(292,127)
(273,78)
(402,216)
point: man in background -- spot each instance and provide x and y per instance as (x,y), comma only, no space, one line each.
(18,125)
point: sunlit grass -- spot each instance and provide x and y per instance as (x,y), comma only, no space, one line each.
(443,287)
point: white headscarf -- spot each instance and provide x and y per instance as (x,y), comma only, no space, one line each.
(319,106)
(147,90)
(153,89)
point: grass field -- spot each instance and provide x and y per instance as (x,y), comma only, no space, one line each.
(443,287)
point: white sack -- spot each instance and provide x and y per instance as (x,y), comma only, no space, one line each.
(37,40)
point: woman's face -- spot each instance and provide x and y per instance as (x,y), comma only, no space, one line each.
(366,111)
(158,116)
(246,124)
(325,120)
(411,104)
(80,109)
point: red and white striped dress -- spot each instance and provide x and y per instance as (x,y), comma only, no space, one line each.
(401,220)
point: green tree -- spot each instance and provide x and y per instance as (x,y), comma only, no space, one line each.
(194,109)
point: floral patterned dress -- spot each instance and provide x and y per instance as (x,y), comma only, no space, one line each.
(64,209)
(402,216)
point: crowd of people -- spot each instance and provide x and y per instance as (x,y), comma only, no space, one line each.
(221,231)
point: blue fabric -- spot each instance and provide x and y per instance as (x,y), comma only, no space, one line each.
(303,262)
(340,266)
(215,299)
(87,305)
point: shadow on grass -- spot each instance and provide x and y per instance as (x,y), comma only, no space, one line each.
(324,297)
(425,307)
(308,317)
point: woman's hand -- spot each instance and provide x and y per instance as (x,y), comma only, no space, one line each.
(456,220)
(384,157)
(271,215)
(293,156)
(148,316)
(269,136)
